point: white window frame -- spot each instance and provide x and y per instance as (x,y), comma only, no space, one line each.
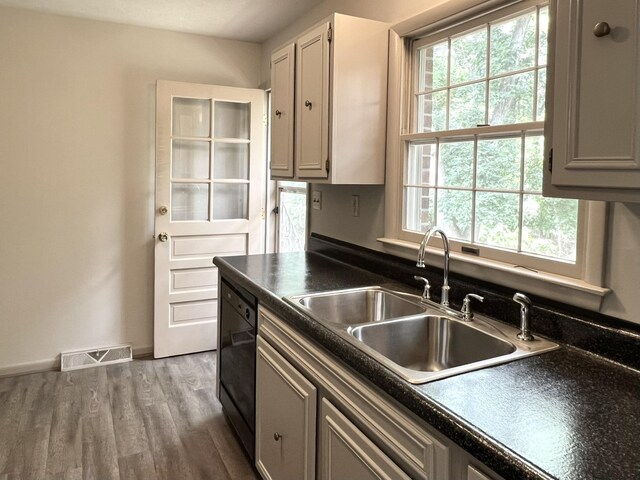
(579,284)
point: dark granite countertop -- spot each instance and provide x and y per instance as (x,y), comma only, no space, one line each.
(566,414)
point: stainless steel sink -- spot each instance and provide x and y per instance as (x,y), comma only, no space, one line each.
(352,307)
(430,343)
(419,342)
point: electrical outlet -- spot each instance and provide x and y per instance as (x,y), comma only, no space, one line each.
(316,200)
(355,205)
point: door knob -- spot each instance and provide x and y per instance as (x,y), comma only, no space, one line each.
(308,104)
(277,436)
(163,237)
(162,210)
(278,113)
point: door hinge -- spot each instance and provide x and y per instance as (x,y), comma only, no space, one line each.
(265,120)
(326,166)
(330,34)
(551,160)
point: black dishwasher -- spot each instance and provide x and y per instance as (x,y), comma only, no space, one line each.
(237,344)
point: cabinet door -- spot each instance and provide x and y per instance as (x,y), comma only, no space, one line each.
(474,474)
(312,103)
(595,99)
(285,418)
(282,111)
(345,452)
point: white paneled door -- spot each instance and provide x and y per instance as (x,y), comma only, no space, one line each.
(210,177)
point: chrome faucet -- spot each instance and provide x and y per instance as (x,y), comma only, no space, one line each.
(444,298)
(525,321)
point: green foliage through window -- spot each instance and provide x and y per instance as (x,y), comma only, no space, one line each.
(486,188)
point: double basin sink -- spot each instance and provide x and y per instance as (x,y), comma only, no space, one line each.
(418,341)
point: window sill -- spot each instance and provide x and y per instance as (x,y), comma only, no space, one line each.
(562,289)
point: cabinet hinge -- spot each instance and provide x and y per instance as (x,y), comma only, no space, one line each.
(326,166)
(551,160)
(330,34)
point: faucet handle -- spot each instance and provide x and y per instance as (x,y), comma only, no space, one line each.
(467,313)
(426,293)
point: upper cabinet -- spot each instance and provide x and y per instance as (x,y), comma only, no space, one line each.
(329,93)
(592,138)
(282,111)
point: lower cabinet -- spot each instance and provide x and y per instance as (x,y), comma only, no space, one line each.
(303,393)
(285,418)
(346,453)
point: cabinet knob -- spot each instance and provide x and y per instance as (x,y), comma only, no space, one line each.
(308,104)
(278,113)
(277,436)
(601,29)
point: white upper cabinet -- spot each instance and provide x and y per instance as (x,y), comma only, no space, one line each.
(592,138)
(282,111)
(340,86)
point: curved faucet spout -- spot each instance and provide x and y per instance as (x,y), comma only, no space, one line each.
(444,300)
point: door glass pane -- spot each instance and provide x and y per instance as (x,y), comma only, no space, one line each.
(231,160)
(191,117)
(231,120)
(190,159)
(189,201)
(230,200)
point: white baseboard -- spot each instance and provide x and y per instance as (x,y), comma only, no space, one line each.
(52,364)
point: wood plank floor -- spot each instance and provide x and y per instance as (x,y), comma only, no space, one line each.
(146,419)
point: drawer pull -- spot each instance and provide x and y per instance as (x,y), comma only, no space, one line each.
(601,29)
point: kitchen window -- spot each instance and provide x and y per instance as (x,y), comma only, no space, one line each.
(469,154)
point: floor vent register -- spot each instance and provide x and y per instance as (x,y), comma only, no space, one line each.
(95,357)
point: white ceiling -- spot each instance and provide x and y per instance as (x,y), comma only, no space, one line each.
(248,20)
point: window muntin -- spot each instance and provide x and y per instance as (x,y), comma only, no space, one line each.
(473,162)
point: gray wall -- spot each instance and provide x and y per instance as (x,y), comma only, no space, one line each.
(77,156)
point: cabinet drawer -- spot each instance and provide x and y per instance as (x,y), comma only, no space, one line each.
(394,430)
